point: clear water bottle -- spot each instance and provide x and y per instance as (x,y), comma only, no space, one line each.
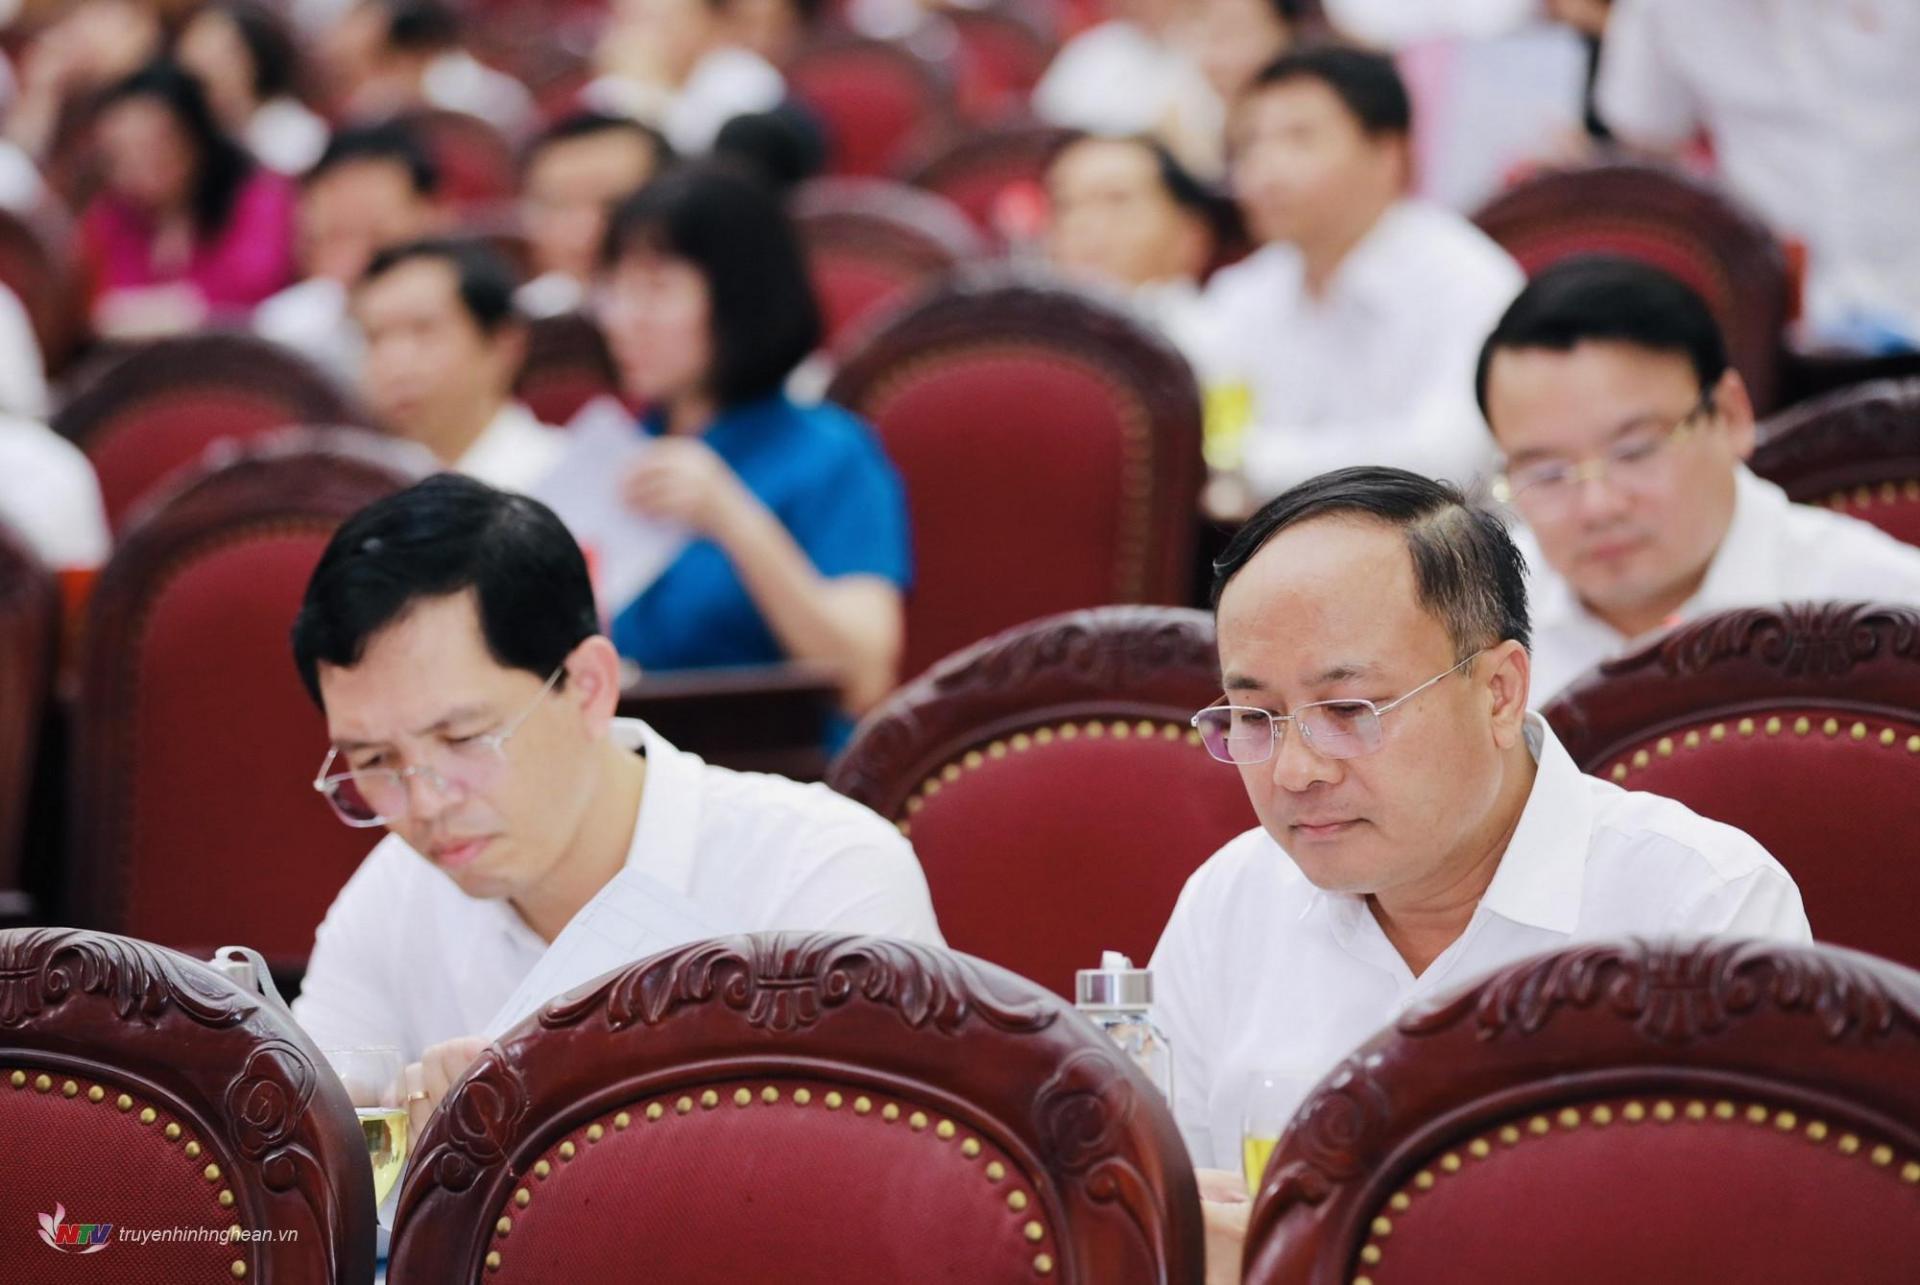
(1116,997)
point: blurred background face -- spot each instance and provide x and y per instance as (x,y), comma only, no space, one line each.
(1236,38)
(212,50)
(428,680)
(570,187)
(355,210)
(146,156)
(1633,543)
(431,372)
(658,316)
(1305,171)
(1328,610)
(1114,220)
(675,33)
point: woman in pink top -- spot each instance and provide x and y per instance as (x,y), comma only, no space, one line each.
(187,228)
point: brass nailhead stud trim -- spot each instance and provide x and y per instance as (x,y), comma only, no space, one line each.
(862,1105)
(802,1096)
(944,1131)
(742,1097)
(504,1227)
(171,1133)
(239,1269)
(211,1173)
(769,1095)
(193,1151)
(890,1113)
(710,1099)
(1034,1232)
(1043,1263)
(1696,1110)
(69,1089)
(970,1148)
(917,1121)
(1663,1111)
(96,1094)
(523,1197)
(995,1171)
(1370,1255)
(1756,1114)
(595,1133)
(1400,1203)
(833,1101)
(226,1200)
(566,1151)
(147,1115)
(1383,1227)
(1016,1200)
(541,1169)
(493,1261)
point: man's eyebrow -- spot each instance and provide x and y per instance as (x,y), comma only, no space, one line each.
(1242,683)
(1343,672)
(453,717)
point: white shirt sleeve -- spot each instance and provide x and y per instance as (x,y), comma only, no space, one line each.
(871,884)
(347,997)
(1440,437)
(1184,975)
(23,375)
(1763,904)
(1641,94)
(50,494)
(1395,23)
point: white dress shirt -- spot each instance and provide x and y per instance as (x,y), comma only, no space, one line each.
(514,451)
(50,496)
(1378,370)
(728,81)
(404,958)
(23,373)
(312,318)
(1774,551)
(1119,78)
(1815,121)
(286,137)
(1261,972)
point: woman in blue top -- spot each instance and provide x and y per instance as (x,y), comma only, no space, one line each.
(799,519)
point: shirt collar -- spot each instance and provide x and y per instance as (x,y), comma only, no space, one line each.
(1744,569)
(1543,872)
(666,831)
(1373,272)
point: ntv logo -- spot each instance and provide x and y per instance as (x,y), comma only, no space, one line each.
(73,1238)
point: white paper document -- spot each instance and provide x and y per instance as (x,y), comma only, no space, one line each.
(627,552)
(634,916)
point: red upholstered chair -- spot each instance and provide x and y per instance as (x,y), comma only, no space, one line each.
(29,620)
(1855,451)
(568,364)
(1052,786)
(872,97)
(872,245)
(36,264)
(1798,724)
(1004,51)
(1659,1113)
(159,409)
(994,175)
(816,1110)
(1684,225)
(478,170)
(1051,451)
(140,1091)
(195,745)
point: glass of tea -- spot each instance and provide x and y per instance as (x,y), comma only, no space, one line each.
(372,1077)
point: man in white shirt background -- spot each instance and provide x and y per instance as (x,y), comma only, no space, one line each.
(374,187)
(1624,432)
(1811,109)
(574,173)
(535,841)
(49,494)
(1419,827)
(1346,340)
(444,346)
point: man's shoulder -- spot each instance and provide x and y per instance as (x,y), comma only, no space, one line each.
(806,822)
(1635,824)
(1442,247)
(1828,553)
(1249,866)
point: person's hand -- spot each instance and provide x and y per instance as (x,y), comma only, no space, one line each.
(428,1080)
(1223,1201)
(682,480)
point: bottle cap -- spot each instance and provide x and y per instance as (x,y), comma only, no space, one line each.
(1115,984)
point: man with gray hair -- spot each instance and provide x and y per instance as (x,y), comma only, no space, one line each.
(1418,826)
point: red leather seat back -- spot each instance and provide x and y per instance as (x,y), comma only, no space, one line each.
(872,245)
(36,263)
(993,174)
(568,364)
(872,96)
(196,823)
(1051,785)
(159,409)
(29,621)
(807,1107)
(1800,726)
(142,1093)
(1617,1111)
(1051,452)
(1685,226)
(1856,451)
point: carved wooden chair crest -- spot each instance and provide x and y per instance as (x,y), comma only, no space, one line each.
(1856,451)
(1631,1111)
(809,1108)
(1799,724)
(142,1092)
(1051,766)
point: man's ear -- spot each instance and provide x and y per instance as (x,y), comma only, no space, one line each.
(1734,405)
(1509,676)
(593,680)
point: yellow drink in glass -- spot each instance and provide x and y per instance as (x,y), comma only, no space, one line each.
(386,1133)
(1254,1153)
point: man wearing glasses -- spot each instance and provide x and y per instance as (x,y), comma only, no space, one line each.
(534,840)
(1418,826)
(1624,431)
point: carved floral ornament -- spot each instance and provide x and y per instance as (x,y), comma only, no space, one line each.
(42,969)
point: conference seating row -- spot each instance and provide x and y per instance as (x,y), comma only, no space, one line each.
(857,1108)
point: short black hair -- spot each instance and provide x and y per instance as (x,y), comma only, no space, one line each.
(487,281)
(223,166)
(270,45)
(1470,575)
(421,26)
(1366,82)
(394,142)
(729,225)
(447,535)
(1607,299)
(593,124)
(785,146)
